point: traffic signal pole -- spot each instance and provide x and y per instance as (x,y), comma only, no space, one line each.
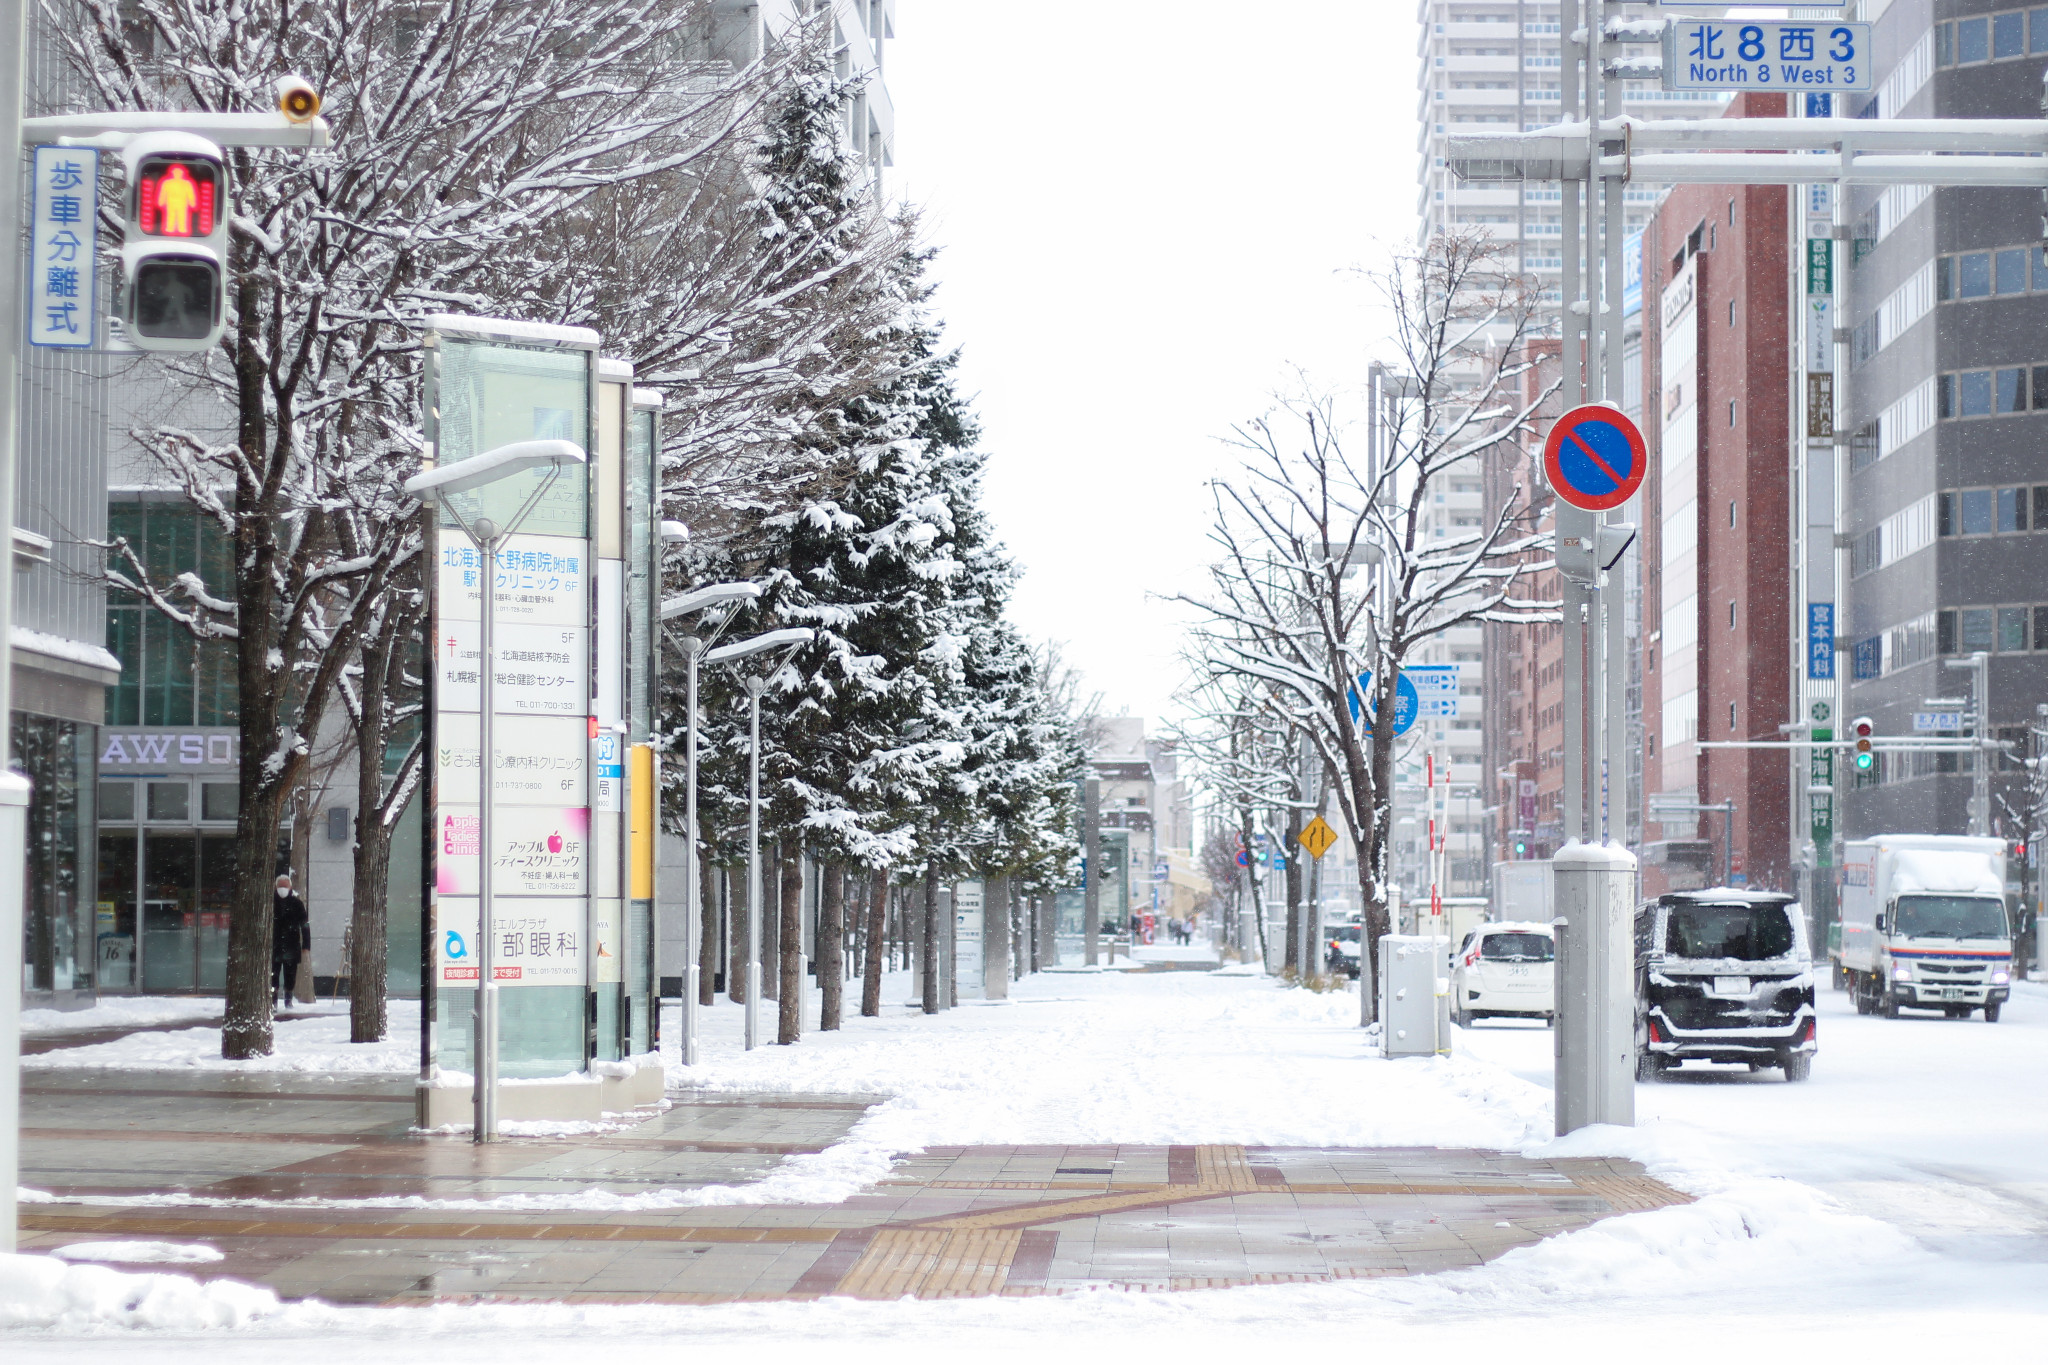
(301,127)
(13,790)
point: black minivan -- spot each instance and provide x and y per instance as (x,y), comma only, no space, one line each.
(1723,976)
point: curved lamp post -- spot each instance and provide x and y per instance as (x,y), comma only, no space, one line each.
(788,640)
(693,647)
(437,486)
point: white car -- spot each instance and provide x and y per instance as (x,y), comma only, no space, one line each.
(1505,971)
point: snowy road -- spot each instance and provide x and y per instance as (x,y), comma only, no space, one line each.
(1938,1126)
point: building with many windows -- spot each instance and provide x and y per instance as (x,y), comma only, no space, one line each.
(1947,302)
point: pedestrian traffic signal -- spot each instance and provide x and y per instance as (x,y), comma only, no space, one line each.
(175,247)
(1866,750)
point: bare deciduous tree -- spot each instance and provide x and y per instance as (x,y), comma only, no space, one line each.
(1328,578)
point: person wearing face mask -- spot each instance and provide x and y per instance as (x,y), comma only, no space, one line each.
(291,936)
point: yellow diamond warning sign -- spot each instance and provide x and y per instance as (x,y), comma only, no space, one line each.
(1316,837)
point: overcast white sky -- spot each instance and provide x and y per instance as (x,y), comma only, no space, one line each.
(1150,212)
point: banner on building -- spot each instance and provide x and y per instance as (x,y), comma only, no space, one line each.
(1820,406)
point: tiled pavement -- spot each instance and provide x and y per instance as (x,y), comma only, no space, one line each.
(946,1222)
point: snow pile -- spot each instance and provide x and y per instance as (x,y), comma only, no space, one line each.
(317,1042)
(38,1291)
(134,1011)
(140,1253)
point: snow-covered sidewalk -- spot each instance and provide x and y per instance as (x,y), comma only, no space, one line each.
(308,1038)
(1759,1262)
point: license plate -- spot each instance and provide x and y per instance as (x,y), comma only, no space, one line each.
(1731,985)
(1518,970)
(1953,992)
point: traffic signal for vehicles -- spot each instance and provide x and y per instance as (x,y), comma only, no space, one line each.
(174,248)
(1866,750)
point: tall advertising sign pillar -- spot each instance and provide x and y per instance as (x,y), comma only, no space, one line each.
(491,384)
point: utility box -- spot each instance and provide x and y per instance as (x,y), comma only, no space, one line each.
(1415,996)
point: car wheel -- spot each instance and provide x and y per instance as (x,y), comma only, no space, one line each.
(1991,1011)
(1889,1008)
(1459,1018)
(1647,1069)
(1550,1021)
(1798,1066)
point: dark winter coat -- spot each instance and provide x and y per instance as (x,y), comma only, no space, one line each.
(291,928)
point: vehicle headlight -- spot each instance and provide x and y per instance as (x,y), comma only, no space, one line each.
(2000,977)
(1902,973)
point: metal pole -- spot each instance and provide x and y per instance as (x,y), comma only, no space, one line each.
(14,828)
(755,686)
(484,1043)
(1980,771)
(1091,895)
(693,913)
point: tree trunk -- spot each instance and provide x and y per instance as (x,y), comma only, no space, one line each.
(831,945)
(1251,873)
(1290,843)
(929,965)
(707,933)
(742,944)
(790,943)
(771,924)
(368,918)
(871,978)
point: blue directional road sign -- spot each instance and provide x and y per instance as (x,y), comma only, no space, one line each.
(1803,54)
(1407,702)
(1595,458)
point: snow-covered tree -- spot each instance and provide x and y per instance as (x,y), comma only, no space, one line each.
(1327,572)
(467,138)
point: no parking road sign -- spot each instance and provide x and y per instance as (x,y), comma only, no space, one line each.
(1595,458)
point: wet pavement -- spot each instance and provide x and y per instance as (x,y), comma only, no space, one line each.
(946,1222)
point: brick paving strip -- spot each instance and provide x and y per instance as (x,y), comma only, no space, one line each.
(945,1223)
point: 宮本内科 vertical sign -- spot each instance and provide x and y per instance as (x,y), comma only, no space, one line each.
(1820,640)
(62,301)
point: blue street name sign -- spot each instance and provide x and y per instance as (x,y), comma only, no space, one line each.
(1768,54)
(1407,701)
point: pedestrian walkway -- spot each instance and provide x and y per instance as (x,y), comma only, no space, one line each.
(946,1222)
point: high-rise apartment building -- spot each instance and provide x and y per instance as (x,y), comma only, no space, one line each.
(1491,66)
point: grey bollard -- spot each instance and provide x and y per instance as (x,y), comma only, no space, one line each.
(1596,1037)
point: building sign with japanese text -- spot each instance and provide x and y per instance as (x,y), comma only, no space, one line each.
(540,941)
(1820,640)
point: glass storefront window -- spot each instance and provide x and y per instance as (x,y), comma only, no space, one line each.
(170,911)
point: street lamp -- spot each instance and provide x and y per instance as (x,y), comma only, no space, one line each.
(437,486)
(693,646)
(788,640)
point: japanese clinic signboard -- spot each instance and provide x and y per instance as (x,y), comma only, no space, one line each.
(1820,640)
(540,941)
(63,306)
(1767,54)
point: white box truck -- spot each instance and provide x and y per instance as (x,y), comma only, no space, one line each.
(1924,924)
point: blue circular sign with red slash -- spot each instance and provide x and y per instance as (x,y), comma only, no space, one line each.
(1595,458)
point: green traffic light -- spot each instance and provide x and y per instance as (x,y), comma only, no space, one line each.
(1864,762)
